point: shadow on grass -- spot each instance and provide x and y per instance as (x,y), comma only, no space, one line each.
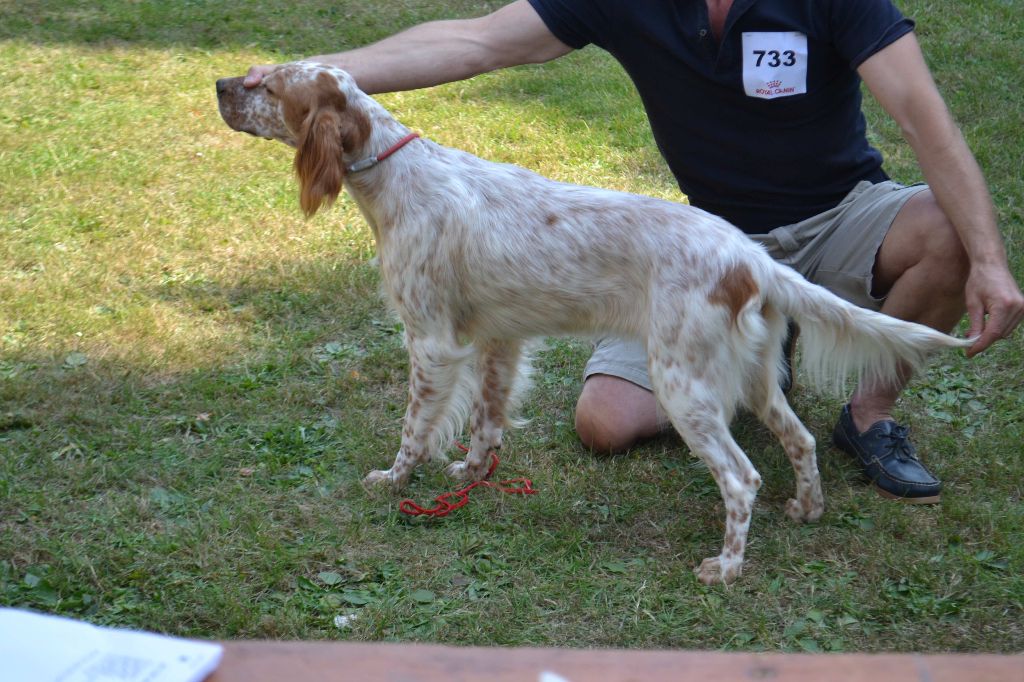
(277,31)
(275,26)
(212,502)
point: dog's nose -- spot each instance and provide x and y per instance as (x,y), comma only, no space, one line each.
(222,85)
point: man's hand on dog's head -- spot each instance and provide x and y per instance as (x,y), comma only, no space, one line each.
(256,73)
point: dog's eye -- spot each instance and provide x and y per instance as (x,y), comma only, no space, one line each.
(271,92)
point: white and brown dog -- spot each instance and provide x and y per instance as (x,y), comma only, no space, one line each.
(478,257)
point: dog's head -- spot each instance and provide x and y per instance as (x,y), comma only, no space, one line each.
(307,106)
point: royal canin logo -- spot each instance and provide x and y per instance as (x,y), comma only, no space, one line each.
(774,84)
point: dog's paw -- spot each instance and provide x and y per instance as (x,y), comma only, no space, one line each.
(715,570)
(804,512)
(380,480)
(462,471)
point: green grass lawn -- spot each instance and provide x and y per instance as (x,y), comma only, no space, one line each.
(194,378)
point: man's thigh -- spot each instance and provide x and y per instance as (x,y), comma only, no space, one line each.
(837,249)
(622,358)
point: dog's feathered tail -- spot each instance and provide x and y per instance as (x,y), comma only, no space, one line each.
(840,340)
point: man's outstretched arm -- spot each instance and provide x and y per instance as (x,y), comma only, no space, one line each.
(444,51)
(899,79)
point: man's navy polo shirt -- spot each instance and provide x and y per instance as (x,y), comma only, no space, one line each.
(759,146)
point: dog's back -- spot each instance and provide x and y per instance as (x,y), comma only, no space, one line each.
(550,257)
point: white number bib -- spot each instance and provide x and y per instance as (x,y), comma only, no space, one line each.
(774,64)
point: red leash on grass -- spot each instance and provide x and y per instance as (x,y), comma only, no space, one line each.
(445,505)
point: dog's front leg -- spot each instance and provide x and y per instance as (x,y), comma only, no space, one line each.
(434,368)
(497,364)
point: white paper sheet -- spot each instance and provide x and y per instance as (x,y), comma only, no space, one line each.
(40,648)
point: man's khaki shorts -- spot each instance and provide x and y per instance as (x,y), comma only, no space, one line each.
(835,249)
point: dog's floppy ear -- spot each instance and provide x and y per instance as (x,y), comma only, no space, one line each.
(329,129)
(318,161)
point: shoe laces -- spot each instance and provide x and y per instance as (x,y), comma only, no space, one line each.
(899,443)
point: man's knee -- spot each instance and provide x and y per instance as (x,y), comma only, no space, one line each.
(612,414)
(600,431)
(922,240)
(943,249)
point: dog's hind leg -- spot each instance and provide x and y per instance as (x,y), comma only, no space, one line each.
(767,401)
(435,369)
(496,370)
(708,437)
(701,411)
(778,416)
